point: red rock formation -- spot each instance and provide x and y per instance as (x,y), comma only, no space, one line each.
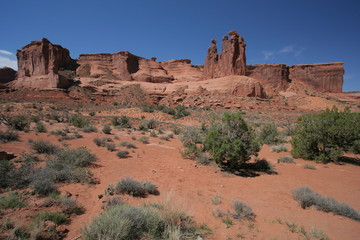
(322,76)
(7,75)
(275,77)
(231,61)
(39,64)
(182,70)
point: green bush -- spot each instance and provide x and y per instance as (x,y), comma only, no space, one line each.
(127,144)
(70,206)
(135,188)
(107,129)
(79,122)
(19,122)
(269,134)
(193,140)
(123,122)
(144,140)
(43,146)
(56,217)
(181,112)
(325,136)
(231,141)
(122,154)
(307,198)
(79,157)
(43,183)
(12,200)
(40,127)
(8,136)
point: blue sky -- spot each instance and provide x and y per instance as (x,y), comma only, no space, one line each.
(290,32)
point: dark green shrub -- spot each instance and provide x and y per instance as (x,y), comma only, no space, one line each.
(325,136)
(12,200)
(35,118)
(147,108)
(151,188)
(42,146)
(307,198)
(269,134)
(44,186)
(168,110)
(19,122)
(122,154)
(79,122)
(193,140)
(181,112)
(40,127)
(107,129)
(123,122)
(70,206)
(8,136)
(6,169)
(151,124)
(231,141)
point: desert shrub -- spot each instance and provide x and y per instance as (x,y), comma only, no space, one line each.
(79,122)
(58,132)
(144,140)
(125,222)
(202,158)
(279,148)
(34,118)
(44,184)
(56,217)
(89,128)
(151,188)
(231,141)
(147,108)
(122,154)
(269,134)
(131,187)
(6,169)
(193,140)
(42,146)
(135,188)
(170,135)
(318,234)
(309,166)
(167,110)
(286,159)
(8,136)
(325,136)
(110,147)
(70,206)
(92,114)
(79,157)
(123,122)
(22,176)
(307,198)
(112,201)
(242,211)
(164,138)
(151,124)
(19,122)
(181,112)
(153,134)
(19,232)
(40,127)
(127,144)
(107,129)
(100,142)
(12,200)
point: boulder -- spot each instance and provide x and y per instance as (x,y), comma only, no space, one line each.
(7,75)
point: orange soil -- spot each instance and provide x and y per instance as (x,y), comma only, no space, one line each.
(191,186)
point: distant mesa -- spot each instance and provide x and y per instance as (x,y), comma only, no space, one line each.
(44,65)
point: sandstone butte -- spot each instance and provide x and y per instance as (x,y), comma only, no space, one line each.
(44,65)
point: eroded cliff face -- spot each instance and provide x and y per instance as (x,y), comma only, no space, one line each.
(128,67)
(231,61)
(39,65)
(321,76)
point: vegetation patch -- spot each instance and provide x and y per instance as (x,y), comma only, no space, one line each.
(285,159)
(307,198)
(42,146)
(9,136)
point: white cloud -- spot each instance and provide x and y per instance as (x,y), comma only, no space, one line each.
(287,49)
(291,49)
(7,62)
(267,54)
(6,52)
